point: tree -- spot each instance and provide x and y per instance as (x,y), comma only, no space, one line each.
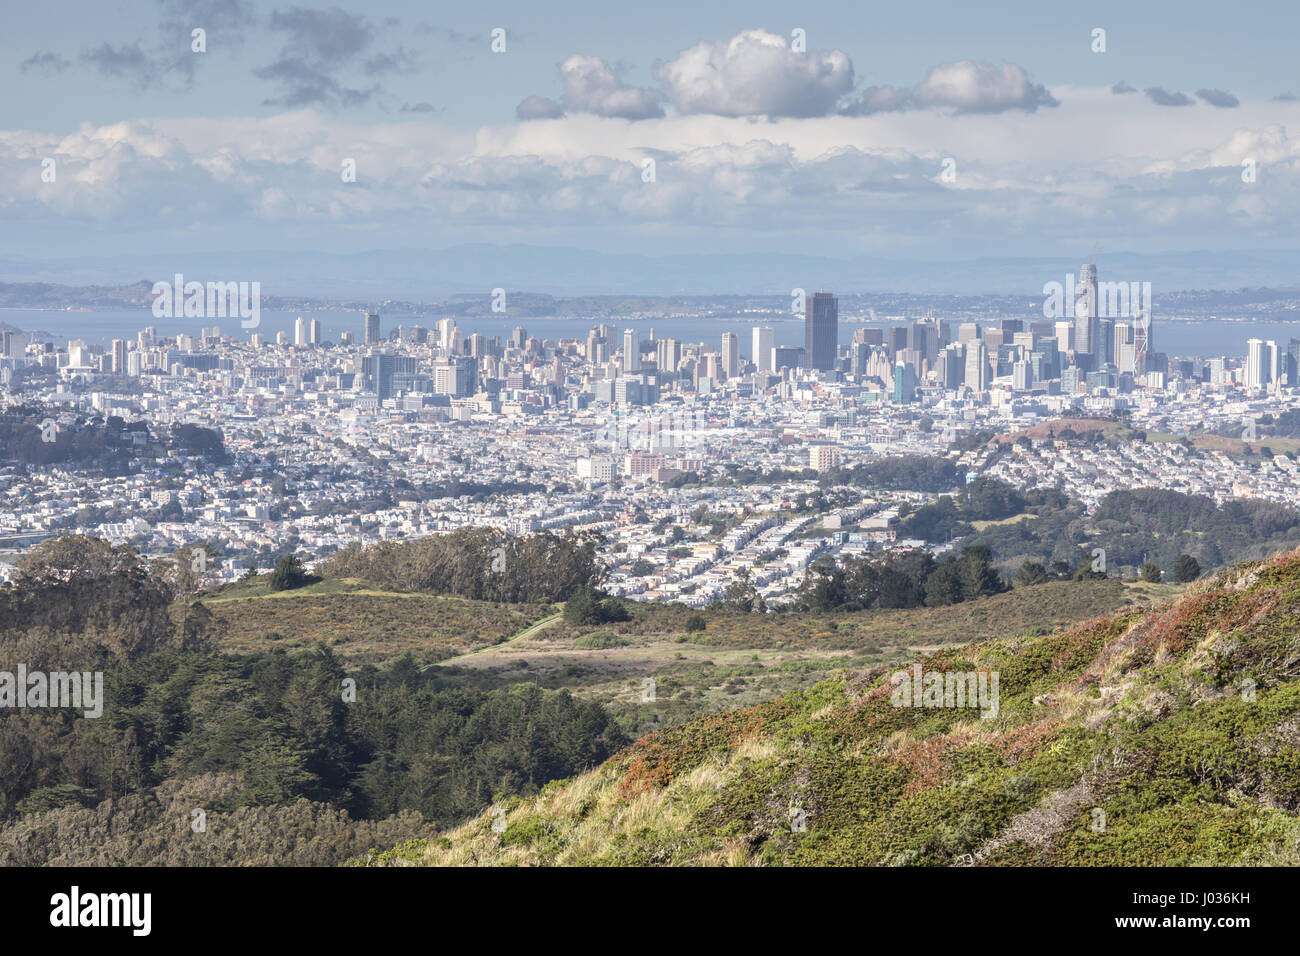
(582,607)
(288,574)
(1030,573)
(1150,572)
(1186,569)
(695,623)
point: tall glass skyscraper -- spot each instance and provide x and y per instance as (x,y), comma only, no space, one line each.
(821,331)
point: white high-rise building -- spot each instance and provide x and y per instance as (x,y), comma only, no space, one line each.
(446,332)
(315,332)
(730,355)
(763,342)
(977,366)
(1256,364)
(1085,311)
(300,331)
(631,350)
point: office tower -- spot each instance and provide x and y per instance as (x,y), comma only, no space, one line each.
(993,339)
(896,341)
(478,345)
(923,339)
(786,357)
(1085,311)
(6,343)
(119,356)
(859,355)
(904,383)
(730,355)
(763,341)
(952,367)
(1024,340)
(315,336)
(281,339)
(518,337)
(1065,335)
(631,350)
(1256,367)
(967,332)
(977,366)
(1012,326)
(1292,363)
(447,334)
(372,328)
(1273,362)
(300,331)
(1104,352)
(455,376)
(668,355)
(347,338)
(821,331)
(869,335)
(1021,376)
(1122,347)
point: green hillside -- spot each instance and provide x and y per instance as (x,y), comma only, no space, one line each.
(1159,736)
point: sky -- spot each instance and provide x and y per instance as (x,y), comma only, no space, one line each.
(931,132)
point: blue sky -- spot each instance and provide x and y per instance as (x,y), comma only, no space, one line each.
(837,149)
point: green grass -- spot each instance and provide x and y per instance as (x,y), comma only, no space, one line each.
(1165,736)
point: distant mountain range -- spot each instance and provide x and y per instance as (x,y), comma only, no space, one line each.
(474,269)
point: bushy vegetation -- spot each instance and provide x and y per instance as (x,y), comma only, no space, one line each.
(477,563)
(1137,525)
(1164,738)
(294,737)
(898,579)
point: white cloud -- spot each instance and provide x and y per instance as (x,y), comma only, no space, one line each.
(756,73)
(966,86)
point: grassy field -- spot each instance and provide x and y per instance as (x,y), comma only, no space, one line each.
(737,660)
(360,624)
(1155,736)
(742,659)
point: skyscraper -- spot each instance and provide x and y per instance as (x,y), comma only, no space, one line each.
(372,328)
(821,331)
(977,366)
(631,350)
(1256,364)
(1085,311)
(300,331)
(763,342)
(315,332)
(730,355)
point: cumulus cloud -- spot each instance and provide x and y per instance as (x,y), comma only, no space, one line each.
(591,86)
(756,73)
(1123,87)
(966,86)
(1219,98)
(972,87)
(1163,97)
(538,107)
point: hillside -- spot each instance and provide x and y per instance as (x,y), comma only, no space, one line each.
(1157,736)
